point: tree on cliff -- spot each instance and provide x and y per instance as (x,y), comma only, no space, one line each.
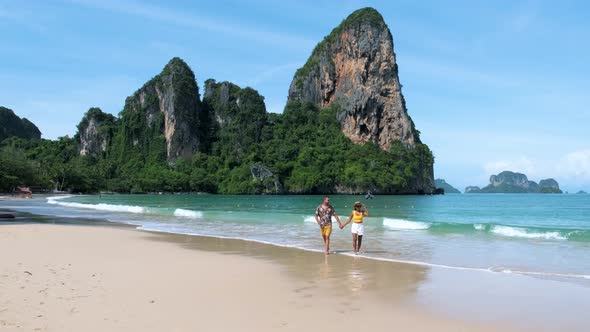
(344,129)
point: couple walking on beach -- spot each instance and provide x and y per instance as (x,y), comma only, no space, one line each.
(323,216)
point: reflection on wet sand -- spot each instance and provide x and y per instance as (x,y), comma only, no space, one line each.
(342,274)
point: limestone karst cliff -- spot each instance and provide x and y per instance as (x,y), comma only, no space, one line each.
(345,129)
(236,116)
(12,125)
(95,132)
(355,66)
(167,105)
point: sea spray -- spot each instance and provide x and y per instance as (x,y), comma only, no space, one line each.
(188,213)
(517,232)
(100,206)
(402,224)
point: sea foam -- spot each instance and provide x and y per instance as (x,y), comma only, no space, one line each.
(100,207)
(479,227)
(54,199)
(311,219)
(510,231)
(188,213)
(402,224)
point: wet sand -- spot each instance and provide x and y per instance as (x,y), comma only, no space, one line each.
(85,278)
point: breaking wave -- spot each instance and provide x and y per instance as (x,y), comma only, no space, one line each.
(509,231)
(188,213)
(402,224)
(99,207)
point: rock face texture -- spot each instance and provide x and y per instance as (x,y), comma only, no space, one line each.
(95,132)
(12,125)
(355,68)
(236,115)
(512,179)
(270,182)
(168,104)
(511,182)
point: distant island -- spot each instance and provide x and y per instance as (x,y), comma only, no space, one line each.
(345,129)
(512,182)
(441,183)
(581,192)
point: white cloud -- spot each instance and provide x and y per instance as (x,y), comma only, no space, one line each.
(571,170)
(520,165)
(575,165)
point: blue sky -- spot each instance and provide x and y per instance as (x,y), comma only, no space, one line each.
(492,85)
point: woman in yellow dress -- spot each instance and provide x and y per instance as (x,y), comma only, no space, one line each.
(358,229)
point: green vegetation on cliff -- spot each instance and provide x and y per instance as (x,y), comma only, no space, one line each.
(303,147)
(167,139)
(308,149)
(366,15)
(237,116)
(11,125)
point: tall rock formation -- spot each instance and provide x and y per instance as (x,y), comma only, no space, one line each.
(166,107)
(95,132)
(236,115)
(12,125)
(355,67)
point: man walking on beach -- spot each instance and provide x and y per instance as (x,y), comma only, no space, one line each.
(323,216)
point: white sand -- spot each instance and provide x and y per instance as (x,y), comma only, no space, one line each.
(83,278)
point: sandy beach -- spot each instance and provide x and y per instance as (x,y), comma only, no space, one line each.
(84,278)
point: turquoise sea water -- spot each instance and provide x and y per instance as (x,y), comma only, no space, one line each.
(545,236)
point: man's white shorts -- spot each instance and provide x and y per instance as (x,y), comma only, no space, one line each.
(358,228)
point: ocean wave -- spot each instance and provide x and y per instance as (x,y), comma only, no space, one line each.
(54,199)
(99,207)
(479,227)
(490,229)
(498,270)
(311,219)
(510,231)
(188,213)
(402,224)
